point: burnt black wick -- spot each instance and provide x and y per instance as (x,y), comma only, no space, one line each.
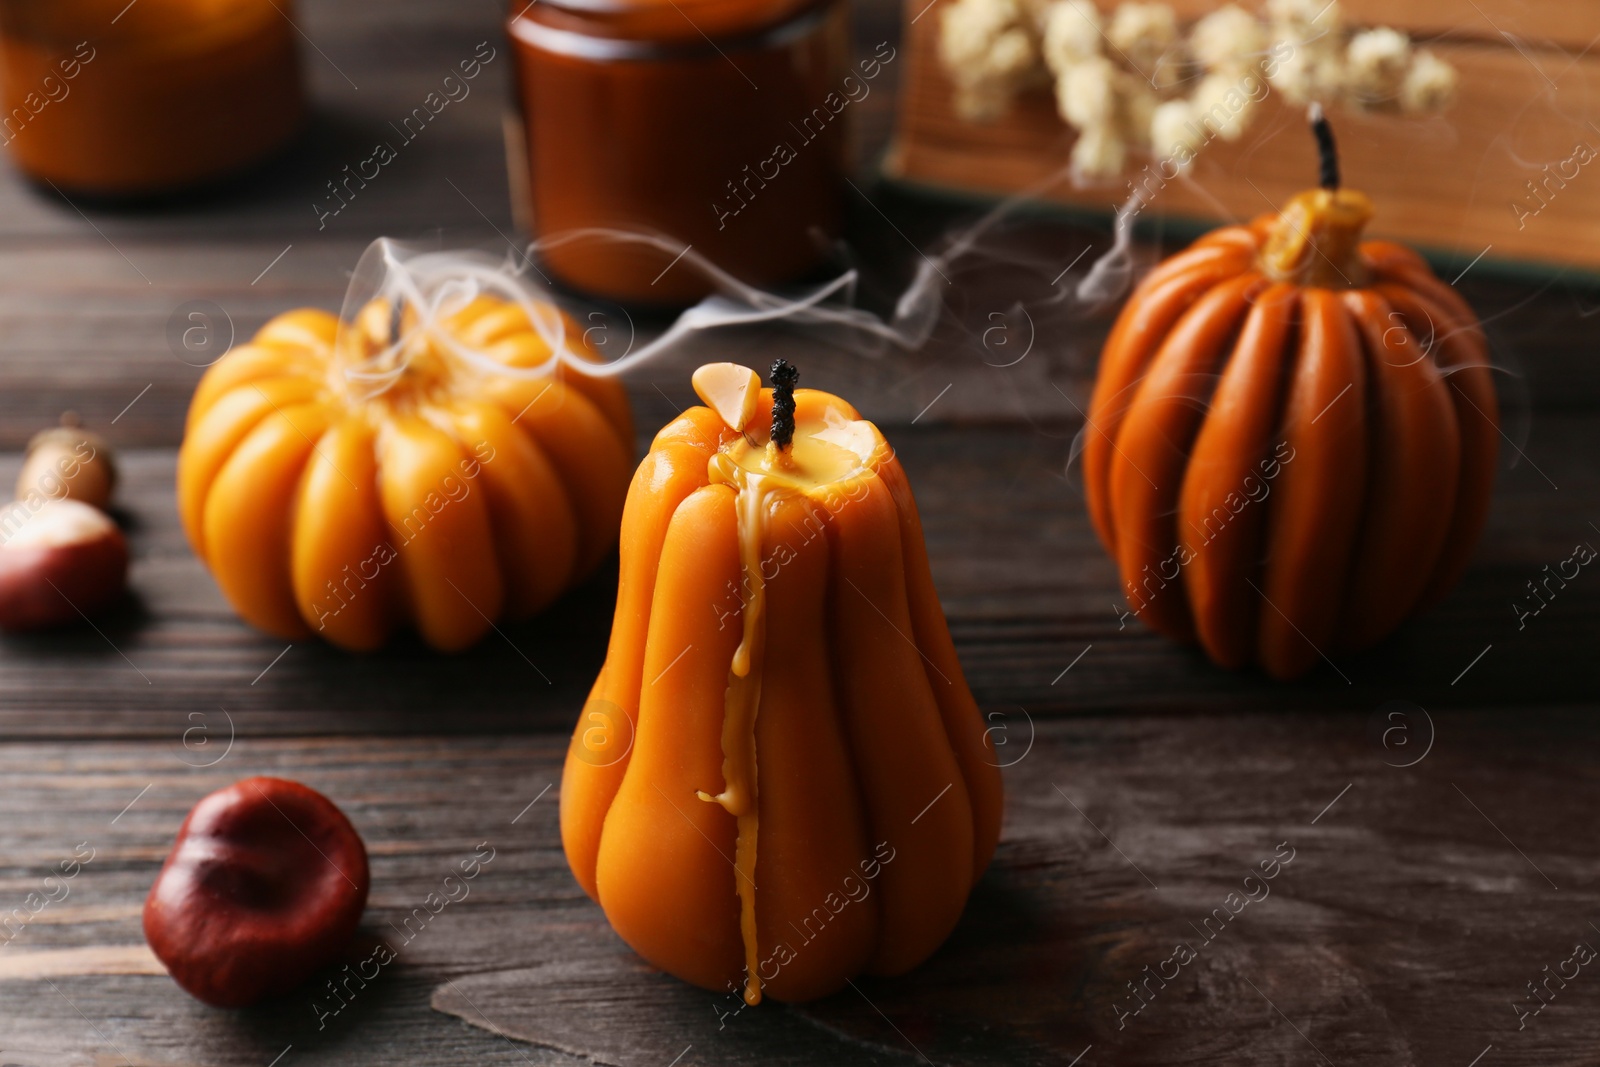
(1327,150)
(784,377)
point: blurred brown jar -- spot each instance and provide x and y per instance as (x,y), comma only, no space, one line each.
(719,123)
(127,100)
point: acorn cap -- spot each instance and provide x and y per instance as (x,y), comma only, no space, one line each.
(51,451)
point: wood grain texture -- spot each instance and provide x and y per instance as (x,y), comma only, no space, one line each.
(1539,26)
(1402,930)
(1024,583)
(1414,912)
(1446,182)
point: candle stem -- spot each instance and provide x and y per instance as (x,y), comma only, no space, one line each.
(784,377)
(1316,239)
(1327,149)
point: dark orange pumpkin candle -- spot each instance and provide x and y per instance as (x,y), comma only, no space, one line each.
(1292,439)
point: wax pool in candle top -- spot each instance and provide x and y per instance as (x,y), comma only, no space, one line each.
(824,452)
(826,448)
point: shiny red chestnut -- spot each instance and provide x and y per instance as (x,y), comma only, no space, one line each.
(264,886)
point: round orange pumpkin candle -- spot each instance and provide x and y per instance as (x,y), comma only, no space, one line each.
(781,779)
(116,99)
(343,480)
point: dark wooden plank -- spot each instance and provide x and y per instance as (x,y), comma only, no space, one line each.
(1023,581)
(1444,182)
(443,800)
(80,328)
(1418,903)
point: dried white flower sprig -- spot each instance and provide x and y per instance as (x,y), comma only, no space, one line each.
(1134,81)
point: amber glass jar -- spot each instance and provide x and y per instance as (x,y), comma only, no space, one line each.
(718,123)
(118,100)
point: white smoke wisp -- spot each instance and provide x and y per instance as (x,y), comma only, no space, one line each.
(432,285)
(1111,275)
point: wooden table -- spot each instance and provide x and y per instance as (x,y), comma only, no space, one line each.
(1435,794)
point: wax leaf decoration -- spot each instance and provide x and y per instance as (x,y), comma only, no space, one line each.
(730,390)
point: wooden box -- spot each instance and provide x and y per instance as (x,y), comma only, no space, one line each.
(1484,177)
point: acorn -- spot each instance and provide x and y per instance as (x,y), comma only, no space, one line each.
(67,461)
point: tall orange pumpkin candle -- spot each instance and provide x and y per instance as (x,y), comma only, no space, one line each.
(781,779)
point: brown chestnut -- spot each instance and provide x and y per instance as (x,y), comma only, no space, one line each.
(264,887)
(57,558)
